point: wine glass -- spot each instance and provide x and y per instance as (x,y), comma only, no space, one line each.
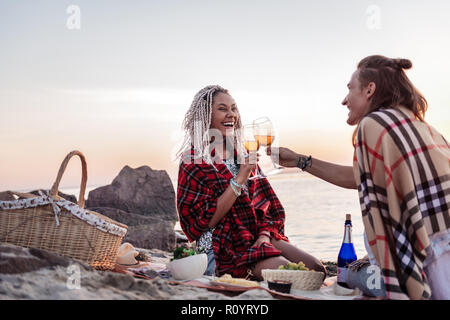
(265,135)
(252,146)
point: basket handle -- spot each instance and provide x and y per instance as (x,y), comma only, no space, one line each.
(54,190)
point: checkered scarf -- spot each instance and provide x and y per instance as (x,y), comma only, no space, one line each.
(402,168)
(256,210)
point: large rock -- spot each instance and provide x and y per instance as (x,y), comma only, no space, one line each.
(144,200)
(143,191)
(15,259)
(143,231)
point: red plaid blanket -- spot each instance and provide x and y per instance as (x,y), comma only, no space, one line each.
(199,186)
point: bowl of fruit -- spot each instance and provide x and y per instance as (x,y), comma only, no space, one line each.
(187,264)
(298,274)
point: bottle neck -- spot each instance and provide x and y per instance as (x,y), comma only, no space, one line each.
(347,233)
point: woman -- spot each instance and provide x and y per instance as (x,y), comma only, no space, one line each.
(402,173)
(238,222)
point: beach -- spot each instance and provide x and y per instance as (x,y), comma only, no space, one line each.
(56,281)
(42,275)
(309,225)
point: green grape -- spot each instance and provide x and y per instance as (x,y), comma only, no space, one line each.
(291,266)
(301,266)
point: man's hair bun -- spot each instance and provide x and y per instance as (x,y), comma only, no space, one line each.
(403,63)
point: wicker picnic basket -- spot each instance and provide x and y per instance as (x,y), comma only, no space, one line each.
(300,279)
(52,223)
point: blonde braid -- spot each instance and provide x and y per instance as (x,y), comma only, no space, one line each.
(197,123)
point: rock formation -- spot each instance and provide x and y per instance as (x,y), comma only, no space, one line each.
(143,231)
(143,199)
(15,259)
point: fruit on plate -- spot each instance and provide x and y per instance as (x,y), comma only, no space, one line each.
(294,266)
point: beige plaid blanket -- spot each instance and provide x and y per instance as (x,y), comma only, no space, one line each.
(402,169)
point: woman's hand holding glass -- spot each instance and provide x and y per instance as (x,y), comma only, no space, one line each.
(251,144)
(246,169)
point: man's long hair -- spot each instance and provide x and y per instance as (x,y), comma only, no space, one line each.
(393,87)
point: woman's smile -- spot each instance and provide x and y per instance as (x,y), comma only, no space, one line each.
(228,124)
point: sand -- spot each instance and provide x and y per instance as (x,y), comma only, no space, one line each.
(60,283)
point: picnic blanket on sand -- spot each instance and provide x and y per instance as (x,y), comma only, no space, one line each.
(402,168)
(328,291)
(151,270)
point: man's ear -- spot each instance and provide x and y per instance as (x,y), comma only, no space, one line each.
(370,90)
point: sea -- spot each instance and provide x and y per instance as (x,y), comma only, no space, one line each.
(315,213)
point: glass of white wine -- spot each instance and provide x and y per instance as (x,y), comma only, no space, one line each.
(264,133)
(252,146)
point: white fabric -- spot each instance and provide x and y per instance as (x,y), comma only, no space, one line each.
(328,291)
(437,265)
(439,244)
(74,209)
(439,277)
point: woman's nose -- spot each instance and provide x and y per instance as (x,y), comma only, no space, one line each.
(344,102)
(231,114)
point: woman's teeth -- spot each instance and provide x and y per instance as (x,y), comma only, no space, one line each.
(228,124)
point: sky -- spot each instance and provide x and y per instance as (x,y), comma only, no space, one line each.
(114,79)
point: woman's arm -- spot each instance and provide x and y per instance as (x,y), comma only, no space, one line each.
(224,203)
(227,199)
(341,176)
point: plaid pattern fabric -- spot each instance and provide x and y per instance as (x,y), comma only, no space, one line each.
(199,186)
(402,168)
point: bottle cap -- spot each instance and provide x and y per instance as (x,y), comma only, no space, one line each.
(348,217)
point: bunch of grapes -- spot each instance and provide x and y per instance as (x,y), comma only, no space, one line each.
(294,266)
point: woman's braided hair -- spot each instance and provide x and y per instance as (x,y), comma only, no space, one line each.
(197,123)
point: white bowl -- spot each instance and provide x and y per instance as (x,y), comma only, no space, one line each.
(189,268)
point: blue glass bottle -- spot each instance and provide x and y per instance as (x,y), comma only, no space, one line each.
(346,254)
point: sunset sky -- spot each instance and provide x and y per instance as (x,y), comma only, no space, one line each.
(116,80)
